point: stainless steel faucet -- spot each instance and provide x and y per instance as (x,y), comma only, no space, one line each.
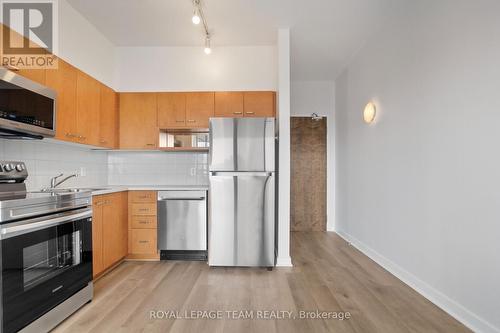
(54,183)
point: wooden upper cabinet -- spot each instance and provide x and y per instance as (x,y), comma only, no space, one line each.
(108,133)
(229,104)
(199,108)
(37,75)
(138,121)
(259,103)
(171,110)
(63,81)
(87,108)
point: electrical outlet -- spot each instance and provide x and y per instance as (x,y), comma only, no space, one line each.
(83,172)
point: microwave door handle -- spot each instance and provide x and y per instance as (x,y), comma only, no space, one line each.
(7,232)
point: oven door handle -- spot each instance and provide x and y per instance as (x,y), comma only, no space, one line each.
(39,224)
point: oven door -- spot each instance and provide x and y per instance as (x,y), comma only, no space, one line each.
(44,262)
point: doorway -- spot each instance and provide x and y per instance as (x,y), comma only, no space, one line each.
(308,158)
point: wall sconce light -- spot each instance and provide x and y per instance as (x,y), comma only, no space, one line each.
(369,113)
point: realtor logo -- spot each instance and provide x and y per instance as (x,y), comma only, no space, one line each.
(29,33)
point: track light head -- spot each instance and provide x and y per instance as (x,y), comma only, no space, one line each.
(196,19)
(208,49)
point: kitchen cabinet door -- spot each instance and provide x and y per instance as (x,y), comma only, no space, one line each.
(37,75)
(171,110)
(199,108)
(229,104)
(113,229)
(87,109)
(97,236)
(63,81)
(259,103)
(138,121)
(143,241)
(108,124)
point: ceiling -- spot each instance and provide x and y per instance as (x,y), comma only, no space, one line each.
(324,33)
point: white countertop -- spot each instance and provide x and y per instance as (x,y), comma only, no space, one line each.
(106,189)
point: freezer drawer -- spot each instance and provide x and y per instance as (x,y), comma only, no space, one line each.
(239,144)
(182,221)
(241,219)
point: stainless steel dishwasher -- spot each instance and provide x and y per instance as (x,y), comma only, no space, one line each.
(182,225)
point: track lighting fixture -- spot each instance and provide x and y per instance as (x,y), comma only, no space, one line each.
(199,17)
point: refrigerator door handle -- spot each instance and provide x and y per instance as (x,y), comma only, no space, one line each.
(234,174)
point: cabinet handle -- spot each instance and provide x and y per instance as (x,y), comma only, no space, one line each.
(179,121)
(143,241)
(143,222)
(98,203)
(238,112)
(250,112)
(70,135)
(144,197)
(150,144)
(191,121)
(144,209)
(104,141)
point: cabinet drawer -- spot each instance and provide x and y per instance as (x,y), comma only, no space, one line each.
(143,241)
(143,222)
(148,209)
(143,196)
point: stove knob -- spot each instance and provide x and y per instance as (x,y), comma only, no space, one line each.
(8,167)
(20,167)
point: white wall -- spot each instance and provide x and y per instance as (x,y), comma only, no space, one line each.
(319,97)
(83,46)
(419,189)
(283,130)
(190,69)
(48,158)
(157,168)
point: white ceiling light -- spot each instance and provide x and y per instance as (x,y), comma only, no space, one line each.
(369,113)
(208,49)
(199,17)
(196,18)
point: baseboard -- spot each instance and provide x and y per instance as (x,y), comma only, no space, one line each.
(284,262)
(466,317)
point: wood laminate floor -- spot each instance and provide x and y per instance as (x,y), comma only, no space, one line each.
(328,275)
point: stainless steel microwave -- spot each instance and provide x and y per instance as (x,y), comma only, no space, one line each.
(27,108)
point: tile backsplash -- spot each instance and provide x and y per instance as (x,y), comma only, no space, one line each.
(47,158)
(157,168)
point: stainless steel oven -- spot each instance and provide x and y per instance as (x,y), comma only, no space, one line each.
(45,257)
(44,261)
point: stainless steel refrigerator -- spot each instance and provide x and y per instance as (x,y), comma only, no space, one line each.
(242,192)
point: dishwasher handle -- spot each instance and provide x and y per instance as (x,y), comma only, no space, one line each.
(182,199)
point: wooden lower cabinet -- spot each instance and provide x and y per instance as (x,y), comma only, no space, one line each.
(109,230)
(143,241)
(142,221)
